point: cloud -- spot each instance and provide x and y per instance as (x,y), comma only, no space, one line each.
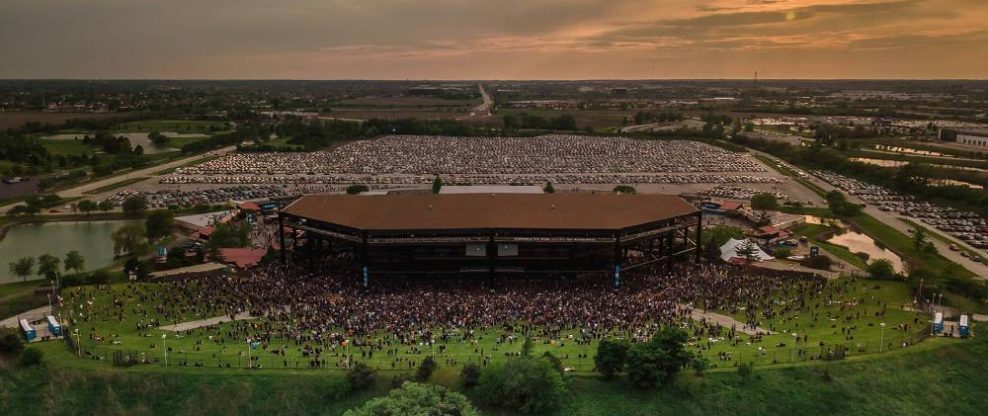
(481,38)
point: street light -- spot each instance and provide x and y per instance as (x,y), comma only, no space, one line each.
(164,348)
(78,342)
(881,346)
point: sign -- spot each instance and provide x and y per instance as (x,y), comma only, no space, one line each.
(476,250)
(365,276)
(507,250)
(814,251)
(162,251)
(617,276)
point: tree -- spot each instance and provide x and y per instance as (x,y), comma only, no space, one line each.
(138,150)
(86,206)
(158,139)
(159,223)
(135,206)
(764,201)
(470,375)
(48,266)
(611,357)
(748,251)
(105,205)
(437,185)
(656,362)
(417,399)
(919,239)
(527,385)
(548,188)
(128,239)
(99,277)
(881,269)
(23,267)
(782,252)
(425,370)
(356,189)
(10,342)
(360,377)
(74,261)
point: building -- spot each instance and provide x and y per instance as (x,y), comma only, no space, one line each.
(489,234)
(977,138)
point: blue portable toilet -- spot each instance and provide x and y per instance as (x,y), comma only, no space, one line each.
(54,327)
(29,333)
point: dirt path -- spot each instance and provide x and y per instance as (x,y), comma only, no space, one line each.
(723,320)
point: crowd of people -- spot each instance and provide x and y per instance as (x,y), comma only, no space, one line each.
(413,160)
(322,312)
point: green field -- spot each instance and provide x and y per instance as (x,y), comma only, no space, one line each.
(67,147)
(598,119)
(939,376)
(178,126)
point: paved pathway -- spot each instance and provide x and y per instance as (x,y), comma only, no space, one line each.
(36,313)
(198,268)
(185,326)
(724,320)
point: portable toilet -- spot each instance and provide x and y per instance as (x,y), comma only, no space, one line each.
(937,323)
(964,328)
(29,333)
(54,327)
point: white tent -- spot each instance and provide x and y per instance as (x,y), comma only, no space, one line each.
(730,250)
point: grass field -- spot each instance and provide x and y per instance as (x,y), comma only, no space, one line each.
(18,297)
(107,329)
(178,126)
(67,147)
(598,119)
(937,377)
(15,119)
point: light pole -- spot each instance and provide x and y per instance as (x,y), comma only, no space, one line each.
(248,353)
(881,345)
(164,348)
(78,342)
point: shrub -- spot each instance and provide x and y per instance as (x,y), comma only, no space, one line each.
(10,342)
(360,377)
(745,370)
(356,189)
(31,357)
(417,399)
(610,358)
(526,385)
(425,370)
(470,376)
(658,360)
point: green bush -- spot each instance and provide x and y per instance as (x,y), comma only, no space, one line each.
(656,362)
(610,357)
(360,377)
(31,357)
(470,376)
(425,370)
(417,399)
(526,384)
(10,342)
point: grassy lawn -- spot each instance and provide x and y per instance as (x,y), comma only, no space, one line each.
(19,297)
(178,126)
(902,245)
(855,326)
(598,119)
(66,147)
(915,381)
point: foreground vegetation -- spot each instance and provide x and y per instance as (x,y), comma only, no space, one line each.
(941,376)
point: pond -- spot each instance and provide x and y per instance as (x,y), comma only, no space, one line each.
(858,243)
(90,238)
(135,139)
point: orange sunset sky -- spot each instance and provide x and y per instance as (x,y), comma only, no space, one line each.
(493,39)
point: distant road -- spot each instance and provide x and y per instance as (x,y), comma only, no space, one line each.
(484,109)
(79,191)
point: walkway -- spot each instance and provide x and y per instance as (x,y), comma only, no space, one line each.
(31,315)
(198,268)
(185,326)
(724,320)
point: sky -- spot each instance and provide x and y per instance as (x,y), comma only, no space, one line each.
(493,39)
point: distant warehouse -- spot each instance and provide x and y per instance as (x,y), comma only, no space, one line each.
(969,137)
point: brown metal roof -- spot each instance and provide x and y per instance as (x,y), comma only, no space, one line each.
(470,211)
